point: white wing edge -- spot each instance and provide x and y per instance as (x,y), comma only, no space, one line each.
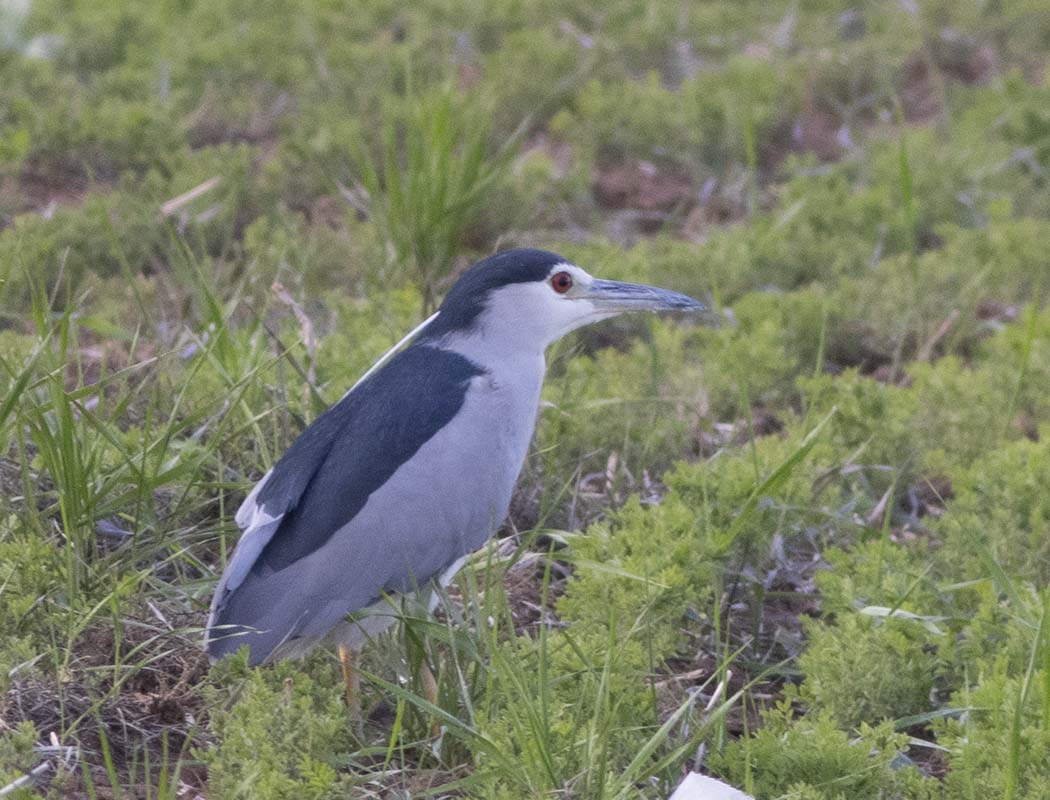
(249,508)
(259,527)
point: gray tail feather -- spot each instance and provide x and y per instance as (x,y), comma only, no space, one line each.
(263,646)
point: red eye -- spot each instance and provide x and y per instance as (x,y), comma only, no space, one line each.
(562,282)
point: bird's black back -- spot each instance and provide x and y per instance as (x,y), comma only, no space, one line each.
(348,452)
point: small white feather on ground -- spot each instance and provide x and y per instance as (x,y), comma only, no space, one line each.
(700,787)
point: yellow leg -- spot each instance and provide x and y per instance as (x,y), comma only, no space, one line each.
(430,685)
(430,692)
(352,683)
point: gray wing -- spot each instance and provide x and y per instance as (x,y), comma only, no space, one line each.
(293,573)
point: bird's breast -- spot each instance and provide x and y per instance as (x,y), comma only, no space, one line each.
(455,494)
(501,405)
(487,443)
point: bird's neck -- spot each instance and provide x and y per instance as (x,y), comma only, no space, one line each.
(499,355)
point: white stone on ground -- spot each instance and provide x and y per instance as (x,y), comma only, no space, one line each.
(700,787)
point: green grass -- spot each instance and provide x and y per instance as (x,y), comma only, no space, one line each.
(805,552)
(433,177)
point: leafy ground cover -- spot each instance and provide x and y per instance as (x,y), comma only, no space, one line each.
(806,552)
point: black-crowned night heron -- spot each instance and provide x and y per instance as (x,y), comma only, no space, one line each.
(412,470)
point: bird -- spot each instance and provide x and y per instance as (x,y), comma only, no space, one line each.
(396,484)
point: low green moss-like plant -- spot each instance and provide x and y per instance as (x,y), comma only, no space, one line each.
(1000,516)
(962,412)
(627,402)
(661,561)
(1000,745)
(631,119)
(534,69)
(992,634)
(871,434)
(944,300)
(878,572)
(17,756)
(278,739)
(30,569)
(775,338)
(1020,355)
(812,757)
(866,670)
(652,564)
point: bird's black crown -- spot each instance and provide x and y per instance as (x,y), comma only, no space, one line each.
(466,299)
